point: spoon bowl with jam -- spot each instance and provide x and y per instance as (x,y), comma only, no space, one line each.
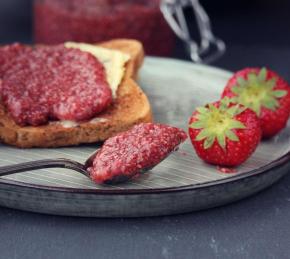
(121,157)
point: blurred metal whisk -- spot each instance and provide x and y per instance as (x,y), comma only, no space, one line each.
(210,47)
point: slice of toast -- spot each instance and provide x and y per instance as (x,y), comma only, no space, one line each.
(129,108)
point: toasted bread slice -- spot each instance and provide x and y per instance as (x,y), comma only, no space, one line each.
(129,108)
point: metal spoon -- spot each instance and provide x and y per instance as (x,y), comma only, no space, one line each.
(65,163)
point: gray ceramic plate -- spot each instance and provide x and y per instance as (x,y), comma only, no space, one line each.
(181,183)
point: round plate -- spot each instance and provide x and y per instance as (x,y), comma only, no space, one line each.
(181,183)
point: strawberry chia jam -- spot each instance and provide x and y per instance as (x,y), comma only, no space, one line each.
(140,148)
(57,21)
(51,83)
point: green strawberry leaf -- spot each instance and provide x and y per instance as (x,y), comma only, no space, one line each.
(197,125)
(271,104)
(279,93)
(231,135)
(217,123)
(205,133)
(208,142)
(241,81)
(256,92)
(202,110)
(252,78)
(221,140)
(236,90)
(237,125)
(262,75)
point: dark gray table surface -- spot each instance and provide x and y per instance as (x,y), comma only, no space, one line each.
(257,227)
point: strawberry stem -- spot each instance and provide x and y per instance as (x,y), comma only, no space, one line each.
(256,92)
(218,123)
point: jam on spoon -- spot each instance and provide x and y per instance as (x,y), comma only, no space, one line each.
(122,157)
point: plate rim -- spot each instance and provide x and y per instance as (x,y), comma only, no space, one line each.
(282,160)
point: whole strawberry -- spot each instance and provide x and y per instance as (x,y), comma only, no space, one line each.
(223,133)
(264,92)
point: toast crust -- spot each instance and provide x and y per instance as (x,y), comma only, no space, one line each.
(129,108)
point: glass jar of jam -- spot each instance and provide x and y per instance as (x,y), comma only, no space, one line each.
(92,21)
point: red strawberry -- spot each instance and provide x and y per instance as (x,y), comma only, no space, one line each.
(223,133)
(264,92)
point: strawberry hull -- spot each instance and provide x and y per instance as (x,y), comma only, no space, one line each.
(272,120)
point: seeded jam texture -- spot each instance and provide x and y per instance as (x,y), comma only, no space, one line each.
(93,21)
(51,83)
(142,147)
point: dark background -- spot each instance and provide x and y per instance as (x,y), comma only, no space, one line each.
(252,22)
(257,33)
(247,26)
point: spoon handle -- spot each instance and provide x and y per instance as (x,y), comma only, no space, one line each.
(42,164)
